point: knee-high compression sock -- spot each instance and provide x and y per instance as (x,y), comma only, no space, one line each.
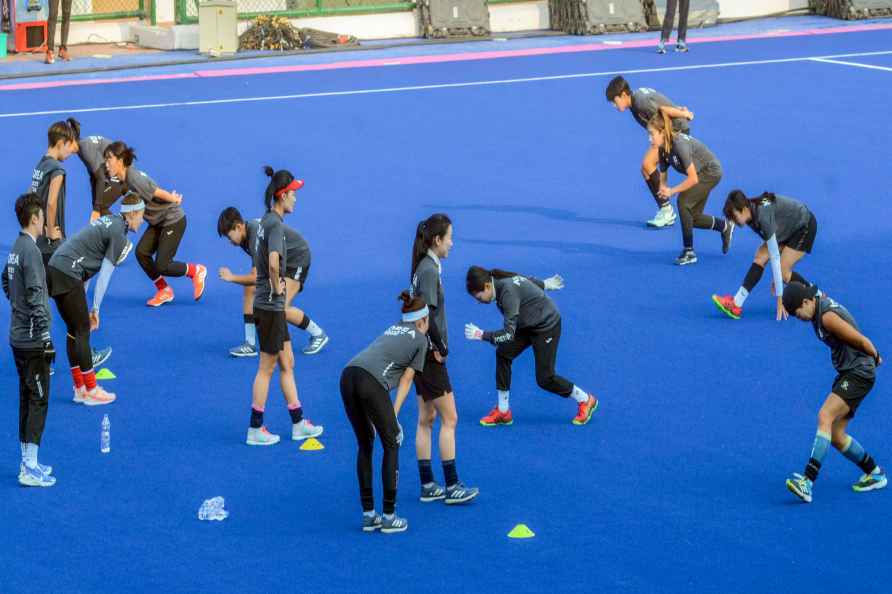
(818,451)
(250,330)
(855,452)
(425,472)
(653,184)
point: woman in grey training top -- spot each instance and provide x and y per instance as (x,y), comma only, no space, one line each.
(433,241)
(703,172)
(391,361)
(105,189)
(531,319)
(166,226)
(788,229)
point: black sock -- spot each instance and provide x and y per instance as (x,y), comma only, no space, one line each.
(389,501)
(304,322)
(795,277)
(249,318)
(425,471)
(868,464)
(718,224)
(256,418)
(753,275)
(812,469)
(367,497)
(653,184)
(297,414)
(450,473)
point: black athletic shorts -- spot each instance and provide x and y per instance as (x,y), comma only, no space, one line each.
(59,283)
(299,274)
(804,239)
(433,382)
(853,389)
(272,330)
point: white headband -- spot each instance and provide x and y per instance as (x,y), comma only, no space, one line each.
(133,207)
(414,316)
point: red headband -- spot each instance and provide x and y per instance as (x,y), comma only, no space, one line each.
(294,185)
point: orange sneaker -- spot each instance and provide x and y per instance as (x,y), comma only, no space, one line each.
(98,397)
(497,417)
(50,58)
(586,410)
(201,273)
(163,296)
(63,54)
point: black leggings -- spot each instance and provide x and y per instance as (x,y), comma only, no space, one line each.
(684,7)
(51,23)
(72,306)
(369,409)
(34,389)
(106,191)
(545,347)
(161,242)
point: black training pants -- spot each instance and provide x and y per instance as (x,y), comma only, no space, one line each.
(545,347)
(161,242)
(684,7)
(369,409)
(691,204)
(34,389)
(72,306)
(51,23)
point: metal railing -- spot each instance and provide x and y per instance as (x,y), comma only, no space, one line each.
(98,10)
(187,10)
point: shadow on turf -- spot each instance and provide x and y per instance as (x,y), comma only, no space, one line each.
(568,247)
(550,213)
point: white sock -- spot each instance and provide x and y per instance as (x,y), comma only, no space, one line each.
(741,296)
(389,516)
(503,401)
(314,329)
(579,395)
(30,457)
(369,514)
(251,334)
(22,445)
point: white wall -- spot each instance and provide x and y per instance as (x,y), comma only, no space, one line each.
(735,9)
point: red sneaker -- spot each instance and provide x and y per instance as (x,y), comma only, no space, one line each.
(726,304)
(201,273)
(163,296)
(586,410)
(497,417)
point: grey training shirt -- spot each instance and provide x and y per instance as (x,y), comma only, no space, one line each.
(81,255)
(525,306)
(24,283)
(92,152)
(781,217)
(647,102)
(686,150)
(427,285)
(48,169)
(401,346)
(298,251)
(846,359)
(250,241)
(158,212)
(270,238)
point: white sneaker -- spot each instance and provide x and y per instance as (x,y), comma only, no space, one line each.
(35,477)
(304,430)
(98,397)
(665,217)
(80,394)
(259,436)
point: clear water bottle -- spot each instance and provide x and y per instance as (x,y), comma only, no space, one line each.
(105,436)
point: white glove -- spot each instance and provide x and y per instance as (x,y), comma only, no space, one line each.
(399,436)
(472,332)
(554,283)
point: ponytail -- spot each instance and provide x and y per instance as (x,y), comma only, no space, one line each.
(479,276)
(411,303)
(738,201)
(75,128)
(120,150)
(436,225)
(662,123)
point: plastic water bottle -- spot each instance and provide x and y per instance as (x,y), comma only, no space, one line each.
(213,509)
(105,436)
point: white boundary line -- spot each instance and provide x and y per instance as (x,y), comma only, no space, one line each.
(481,83)
(855,64)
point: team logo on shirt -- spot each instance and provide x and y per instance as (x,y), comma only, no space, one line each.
(77,262)
(844,386)
(518,280)
(400,331)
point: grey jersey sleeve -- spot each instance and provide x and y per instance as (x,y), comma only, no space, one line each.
(427,284)
(418,361)
(35,294)
(509,303)
(142,184)
(275,241)
(682,147)
(767,221)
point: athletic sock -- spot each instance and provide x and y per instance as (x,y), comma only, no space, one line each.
(314,330)
(160,283)
(78,377)
(250,330)
(503,401)
(741,296)
(30,455)
(450,473)
(369,514)
(256,418)
(425,472)
(818,451)
(191,269)
(854,452)
(89,380)
(579,395)
(296,412)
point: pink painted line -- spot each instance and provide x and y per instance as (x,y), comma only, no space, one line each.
(434,59)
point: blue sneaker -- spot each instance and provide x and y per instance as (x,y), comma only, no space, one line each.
(101,356)
(870,482)
(44,469)
(394,524)
(661,47)
(243,350)
(432,492)
(458,493)
(316,344)
(681,47)
(800,487)
(35,477)
(371,523)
